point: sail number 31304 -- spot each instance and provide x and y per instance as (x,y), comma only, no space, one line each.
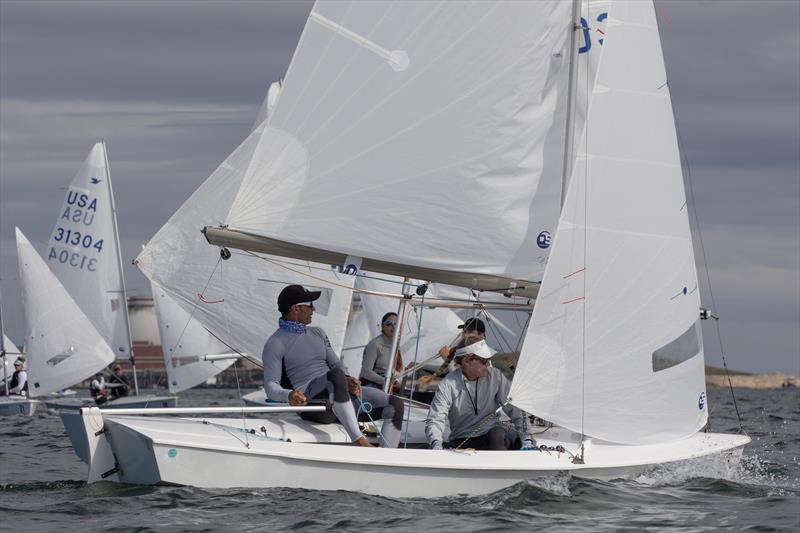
(76,238)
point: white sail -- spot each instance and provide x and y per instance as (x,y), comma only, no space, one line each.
(381,136)
(185,342)
(63,346)
(614,348)
(270,99)
(82,251)
(356,337)
(236,300)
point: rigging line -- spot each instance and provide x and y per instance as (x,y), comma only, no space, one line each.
(413,374)
(495,329)
(239,391)
(518,347)
(237,352)
(194,307)
(705,269)
(585,247)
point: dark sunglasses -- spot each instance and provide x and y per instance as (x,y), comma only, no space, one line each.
(388,323)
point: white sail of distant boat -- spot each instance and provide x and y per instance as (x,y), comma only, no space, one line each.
(83,251)
(423,139)
(191,354)
(63,347)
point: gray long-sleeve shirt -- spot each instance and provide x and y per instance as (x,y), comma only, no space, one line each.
(305,355)
(376,359)
(467,403)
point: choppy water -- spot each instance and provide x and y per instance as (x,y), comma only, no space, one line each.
(42,489)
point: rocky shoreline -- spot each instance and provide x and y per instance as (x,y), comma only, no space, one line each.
(752,381)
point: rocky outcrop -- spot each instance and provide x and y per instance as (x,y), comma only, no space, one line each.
(752,381)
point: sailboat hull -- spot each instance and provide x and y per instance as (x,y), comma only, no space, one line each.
(222,453)
(10,406)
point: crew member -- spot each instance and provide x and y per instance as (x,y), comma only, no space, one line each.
(313,370)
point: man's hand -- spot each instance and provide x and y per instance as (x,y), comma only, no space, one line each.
(424,380)
(297,398)
(353,386)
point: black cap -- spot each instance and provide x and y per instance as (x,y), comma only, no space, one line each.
(295,294)
(474,323)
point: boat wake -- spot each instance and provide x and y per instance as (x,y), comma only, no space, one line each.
(733,467)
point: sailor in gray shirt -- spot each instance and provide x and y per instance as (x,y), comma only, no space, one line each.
(315,371)
(377,354)
(468,398)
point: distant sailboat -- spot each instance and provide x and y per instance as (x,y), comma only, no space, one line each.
(84,253)
(63,347)
(11,404)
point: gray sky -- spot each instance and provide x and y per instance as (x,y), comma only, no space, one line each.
(173,87)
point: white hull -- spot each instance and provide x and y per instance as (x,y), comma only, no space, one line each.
(218,453)
(69,411)
(11,405)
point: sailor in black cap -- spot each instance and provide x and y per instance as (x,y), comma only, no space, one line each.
(473,328)
(314,370)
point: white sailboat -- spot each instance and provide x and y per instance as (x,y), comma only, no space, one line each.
(84,253)
(63,346)
(453,112)
(11,404)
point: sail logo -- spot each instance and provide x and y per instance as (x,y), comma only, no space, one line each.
(544,239)
(587,36)
(94,180)
(701,402)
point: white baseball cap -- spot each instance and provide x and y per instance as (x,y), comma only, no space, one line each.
(480,348)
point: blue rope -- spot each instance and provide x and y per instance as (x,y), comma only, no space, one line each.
(366,408)
(414,374)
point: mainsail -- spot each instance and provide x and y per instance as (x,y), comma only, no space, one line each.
(83,248)
(382,136)
(614,348)
(186,344)
(62,345)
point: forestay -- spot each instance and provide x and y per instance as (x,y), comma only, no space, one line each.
(82,251)
(614,350)
(410,128)
(62,345)
(185,342)
(236,300)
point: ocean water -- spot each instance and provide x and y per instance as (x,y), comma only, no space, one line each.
(42,488)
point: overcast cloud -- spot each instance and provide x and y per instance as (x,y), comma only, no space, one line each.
(173,87)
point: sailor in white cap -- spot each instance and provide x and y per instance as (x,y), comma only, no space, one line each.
(468,398)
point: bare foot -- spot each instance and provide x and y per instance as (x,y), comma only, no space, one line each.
(362,441)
